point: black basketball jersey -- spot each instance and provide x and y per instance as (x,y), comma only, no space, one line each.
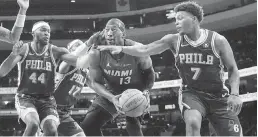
(72,81)
(121,74)
(198,64)
(37,72)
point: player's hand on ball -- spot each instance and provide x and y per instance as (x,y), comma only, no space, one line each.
(112,49)
(115,101)
(234,104)
(24,4)
(17,48)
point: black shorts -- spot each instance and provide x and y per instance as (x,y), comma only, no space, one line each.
(68,126)
(213,107)
(105,104)
(44,106)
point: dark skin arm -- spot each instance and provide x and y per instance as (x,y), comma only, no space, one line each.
(10,62)
(71,58)
(148,74)
(96,76)
(63,54)
(80,51)
(77,58)
(167,42)
(226,54)
(13,36)
(228,60)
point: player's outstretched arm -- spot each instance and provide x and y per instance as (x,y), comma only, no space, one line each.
(12,59)
(70,58)
(227,57)
(81,50)
(148,74)
(226,54)
(13,36)
(156,47)
(78,58)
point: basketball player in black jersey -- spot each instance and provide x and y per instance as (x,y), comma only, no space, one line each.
(69,83)
(35,102)
(13,36)
(200,56)
(110,76)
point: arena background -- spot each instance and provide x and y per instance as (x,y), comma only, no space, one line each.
(146,21)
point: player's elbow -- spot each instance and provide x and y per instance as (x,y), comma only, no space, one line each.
(13,38)
(2,74)
(233,71)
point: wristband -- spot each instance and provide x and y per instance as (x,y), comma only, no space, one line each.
(234,95)
(20,20)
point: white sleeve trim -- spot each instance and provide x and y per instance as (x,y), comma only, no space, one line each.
(213,45)
(178,45)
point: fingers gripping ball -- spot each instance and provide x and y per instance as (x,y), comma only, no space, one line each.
(133,102)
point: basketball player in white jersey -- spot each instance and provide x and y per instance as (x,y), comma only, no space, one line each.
(200,56)
(14,35)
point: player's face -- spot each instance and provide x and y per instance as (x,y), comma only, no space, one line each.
(113,35)
(43,35)
(184,22)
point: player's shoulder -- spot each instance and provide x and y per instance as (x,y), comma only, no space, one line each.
(221,43)
(219,40)
(24,48)
(171,37)
(219,37)
(171,40)
(58,51)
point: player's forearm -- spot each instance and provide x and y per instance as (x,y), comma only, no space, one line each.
(70,60)
(136,50)
(101,90)
(7,65)
(64,67)
(83,61)
(140,50)
(18,26)
(148,78)
(233,77)
(22,11)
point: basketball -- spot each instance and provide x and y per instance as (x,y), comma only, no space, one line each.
(133,102)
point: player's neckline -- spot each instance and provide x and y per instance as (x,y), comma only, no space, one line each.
(117,57)
(203,37)
(39,54)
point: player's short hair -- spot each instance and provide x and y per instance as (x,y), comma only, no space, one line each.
(117,22)
(191,7)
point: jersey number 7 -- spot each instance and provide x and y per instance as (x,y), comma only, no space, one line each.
(197,72)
